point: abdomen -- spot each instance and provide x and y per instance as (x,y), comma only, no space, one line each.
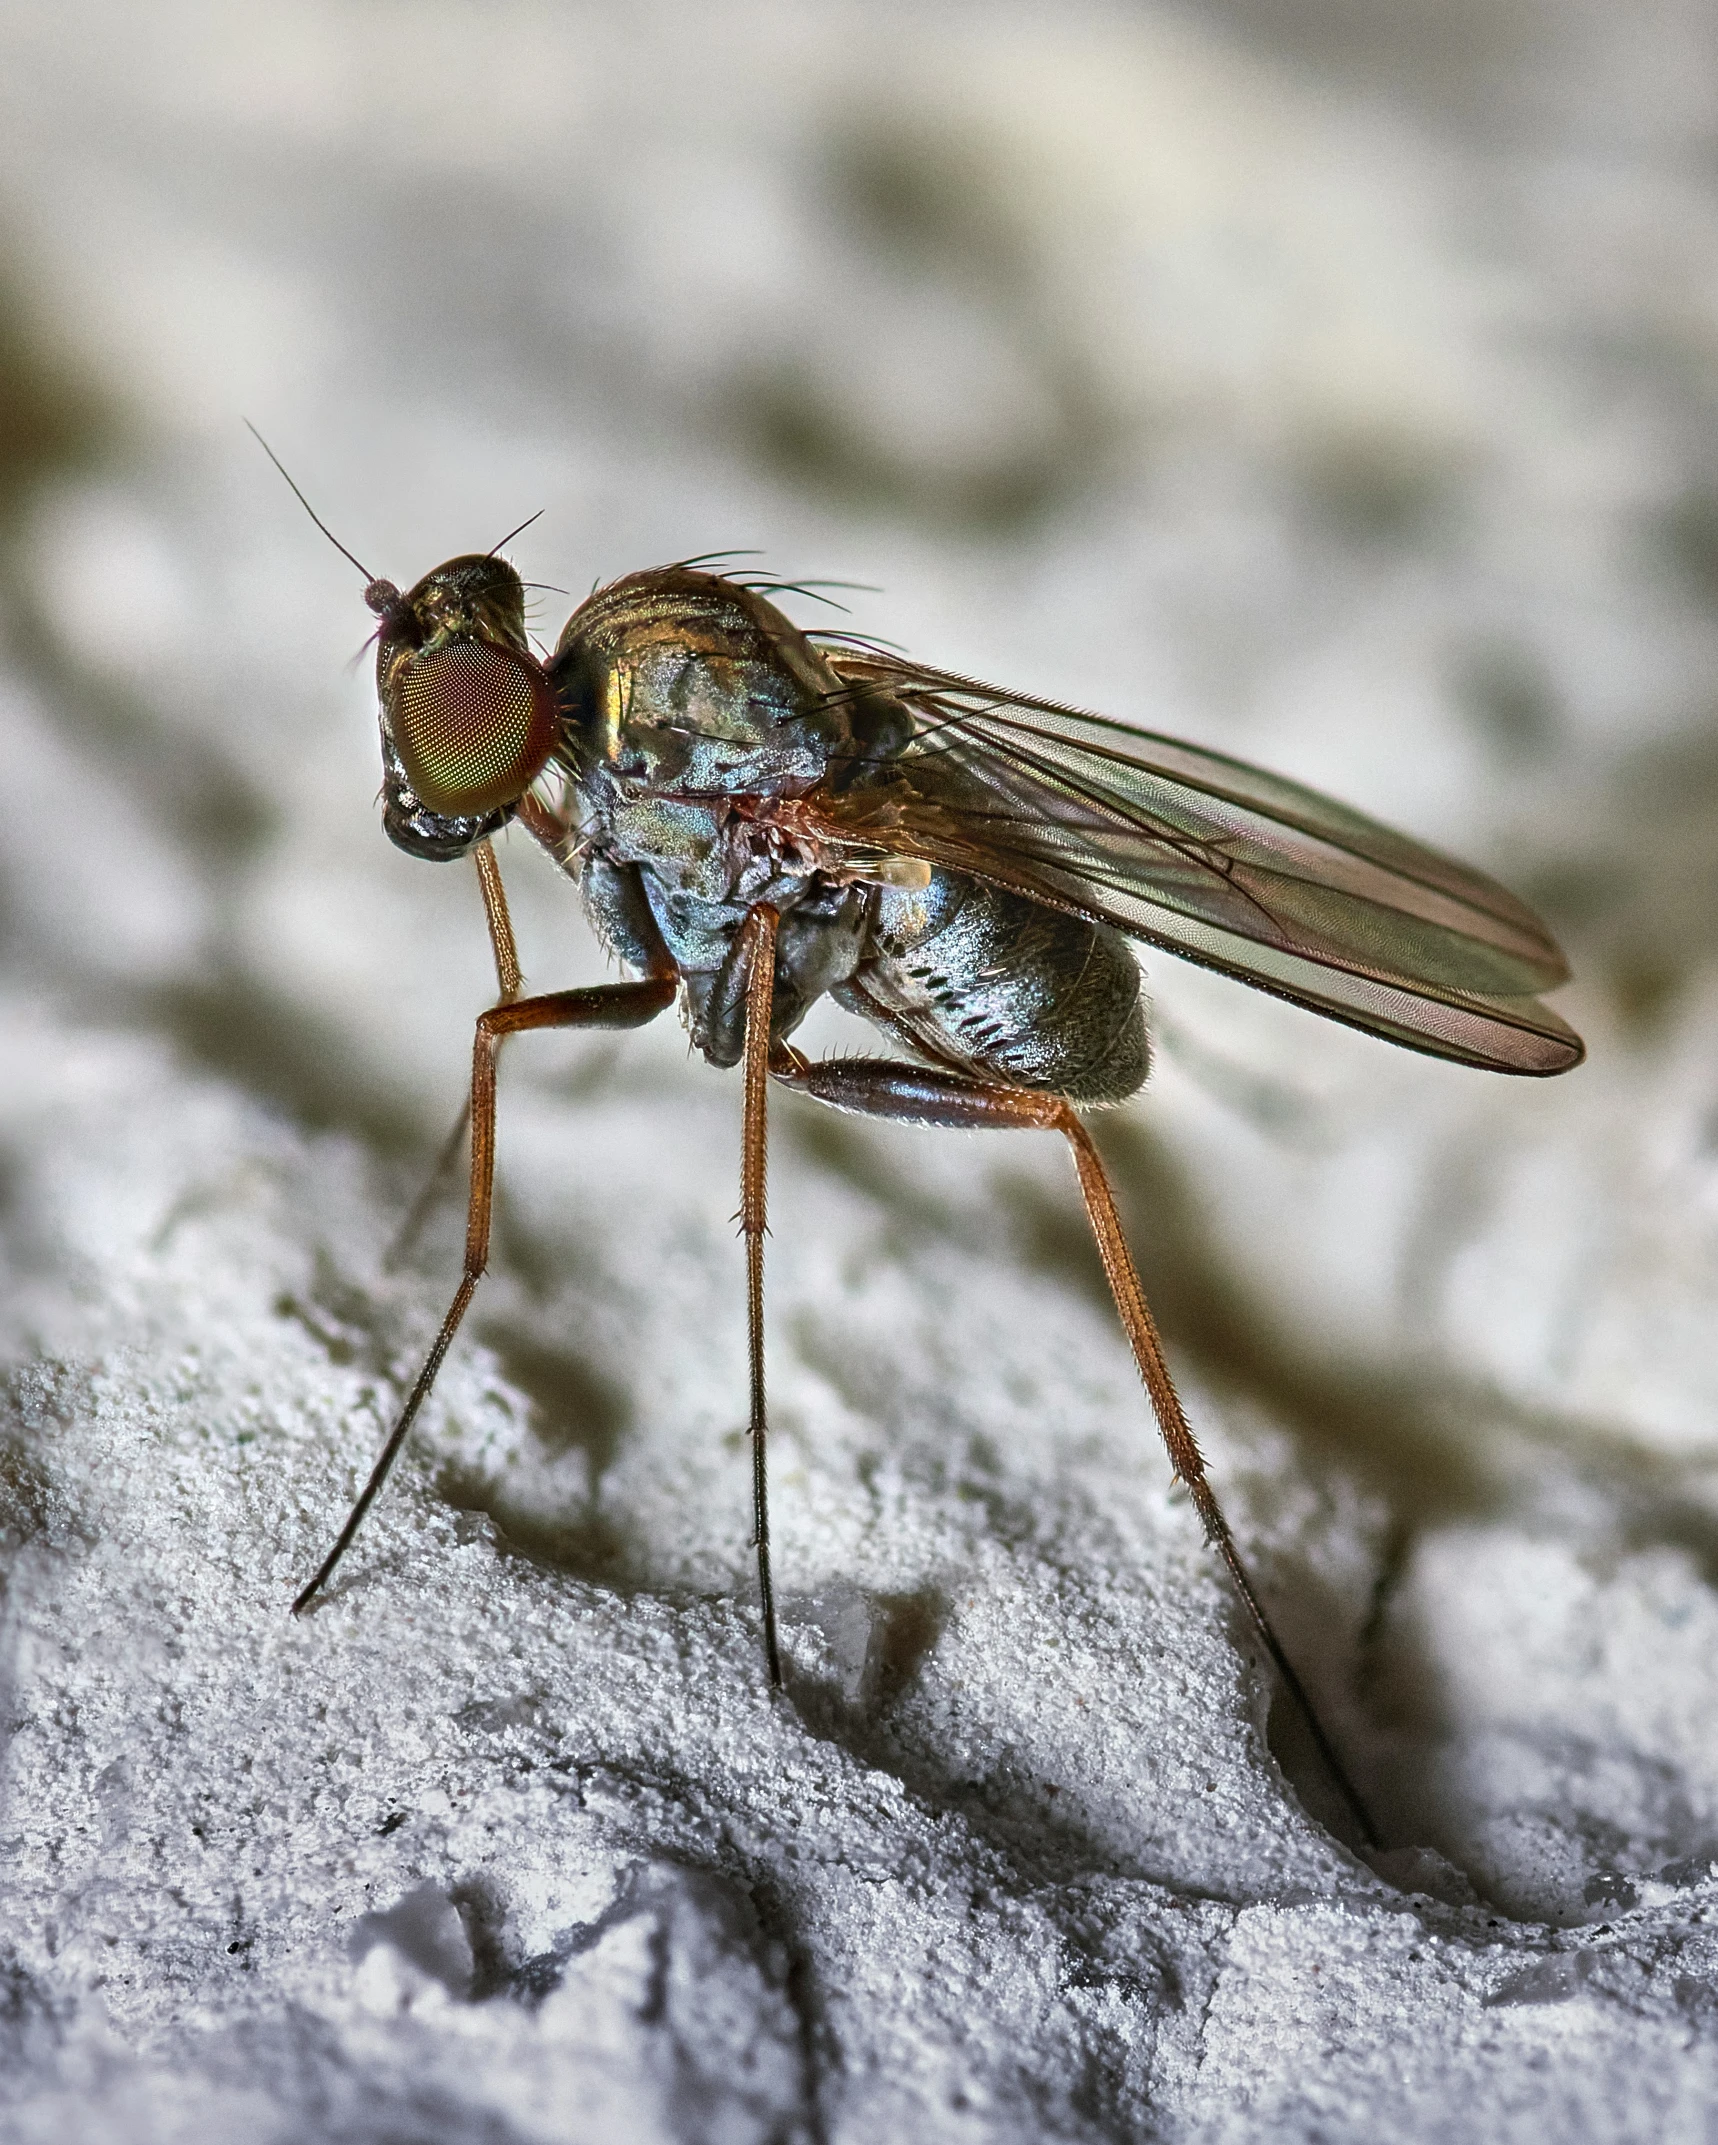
(992,983)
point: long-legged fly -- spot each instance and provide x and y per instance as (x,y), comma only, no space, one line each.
(758,817)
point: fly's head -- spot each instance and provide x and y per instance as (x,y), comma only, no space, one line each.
(469,719)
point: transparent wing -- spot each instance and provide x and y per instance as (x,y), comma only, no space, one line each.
(1206,857)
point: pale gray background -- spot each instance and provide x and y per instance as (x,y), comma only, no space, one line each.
(1336,383)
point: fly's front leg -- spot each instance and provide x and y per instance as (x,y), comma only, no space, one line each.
(509,981)
(640,943)
(608,1005)
(882,1087)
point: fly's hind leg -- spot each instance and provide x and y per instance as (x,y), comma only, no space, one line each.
(884,1087)
(607,1005)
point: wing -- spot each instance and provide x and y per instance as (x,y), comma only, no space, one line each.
(1206,857)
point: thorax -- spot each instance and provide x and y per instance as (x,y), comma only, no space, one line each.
(695,715)
(696,718)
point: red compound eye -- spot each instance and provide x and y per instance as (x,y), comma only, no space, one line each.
(473,724)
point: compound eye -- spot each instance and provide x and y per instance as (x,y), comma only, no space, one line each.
(473,725)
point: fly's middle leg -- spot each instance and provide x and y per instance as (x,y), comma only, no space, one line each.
(756,948)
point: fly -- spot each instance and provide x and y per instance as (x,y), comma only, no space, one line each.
(759,817)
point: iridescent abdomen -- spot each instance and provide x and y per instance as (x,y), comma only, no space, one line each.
(990,982)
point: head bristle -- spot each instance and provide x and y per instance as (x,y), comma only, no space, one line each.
(523,526)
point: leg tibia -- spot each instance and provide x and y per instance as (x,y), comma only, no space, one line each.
(883,1087)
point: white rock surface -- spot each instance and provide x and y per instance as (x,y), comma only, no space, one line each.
(1334,384)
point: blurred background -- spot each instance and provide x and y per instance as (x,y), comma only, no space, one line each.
(1333,382)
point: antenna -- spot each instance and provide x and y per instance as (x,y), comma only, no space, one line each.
(309,509)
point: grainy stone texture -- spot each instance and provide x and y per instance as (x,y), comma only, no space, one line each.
(1336,384)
